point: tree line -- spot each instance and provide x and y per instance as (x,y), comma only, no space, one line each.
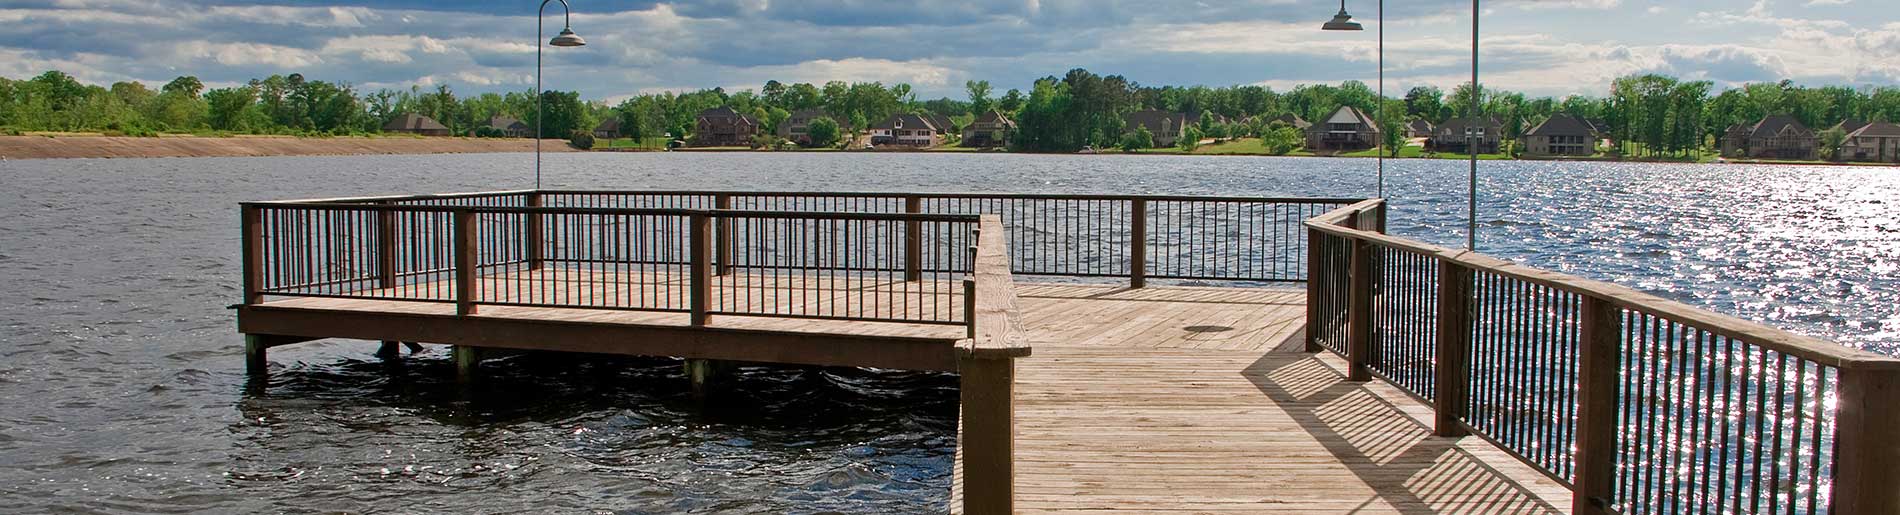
(1647,114)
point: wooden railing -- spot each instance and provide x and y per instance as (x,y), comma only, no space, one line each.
(1639,404)
(987,362)
(893,267)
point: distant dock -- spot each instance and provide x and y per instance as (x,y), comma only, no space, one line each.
(1128,352)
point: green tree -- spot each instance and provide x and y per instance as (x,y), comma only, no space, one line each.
(184,85)
(1281,139)
(1191,138)
(561,113)
(1138,139)
(1831,140)
(979,95)
(1012,101)
(823,131)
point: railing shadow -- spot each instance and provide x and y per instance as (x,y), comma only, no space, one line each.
(1388,450)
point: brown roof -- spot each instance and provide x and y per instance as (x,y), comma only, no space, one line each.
(413,122)
(505,123)
(1877,130)
(1419,126)
(1562,124)
(612,123)
(1154,120)
(1293,120)
(905,121)
(1458,125)
(1775,123)
(724,113)
(1352,115)
(1849,126)
(994,117)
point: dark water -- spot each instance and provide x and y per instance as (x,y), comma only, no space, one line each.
(121,385)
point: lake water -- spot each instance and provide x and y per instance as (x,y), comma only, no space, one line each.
(121,386)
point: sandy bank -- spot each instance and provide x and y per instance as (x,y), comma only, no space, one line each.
(43,147)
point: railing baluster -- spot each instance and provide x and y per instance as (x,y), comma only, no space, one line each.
(1138,244)
(913,240)
(723,201)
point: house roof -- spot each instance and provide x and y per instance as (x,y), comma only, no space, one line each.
(1457,125)
(724,113)
(1562,124)
(610,124)
(1777,123)
(1293,120)
(1849,126)
(413,122)
(1877,130)
(911,121)
(1598,125)
(939,121)
(994,117)
(505,123)
(1419,126)
(1352,115)
(1155,119)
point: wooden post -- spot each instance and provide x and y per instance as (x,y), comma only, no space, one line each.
(699,284)
(701,373)
(1314,259)
(468,363)
(1359,312)
(251,228)
(913,240)
(723,238)
(464,227)
(533,240)
(386,248)
(1453,371)
(1599,349)
(1138,244)
(989,434)
(255,362)
(1868,437)
(969,306)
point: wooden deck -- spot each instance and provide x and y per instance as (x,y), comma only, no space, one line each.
(1160,399)
(1174,400)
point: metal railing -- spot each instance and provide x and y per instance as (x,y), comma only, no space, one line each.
(1638,403)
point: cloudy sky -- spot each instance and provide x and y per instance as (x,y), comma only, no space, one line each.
(1544,47)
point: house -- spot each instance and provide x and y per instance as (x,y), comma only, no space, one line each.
(795,127)
(1347,129)
(1166,127)
(608,128)
(1292,120)
(1849,126)
(1877,142)
(906,129)
(1418,129)
(723,127)
(941,122)
(1452,135)
(510,127)
(1561,135)
(992,129)
(413,123)
(1776,136)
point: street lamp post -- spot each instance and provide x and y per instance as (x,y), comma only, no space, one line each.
(1343,21)
(567,38)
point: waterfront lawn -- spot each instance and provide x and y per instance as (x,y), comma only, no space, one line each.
(653,143)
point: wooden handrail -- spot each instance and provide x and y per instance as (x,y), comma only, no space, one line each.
(1814,349)
(999,332)
(987,365)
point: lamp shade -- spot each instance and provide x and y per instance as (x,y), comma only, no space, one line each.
(568,38)
(1342,21)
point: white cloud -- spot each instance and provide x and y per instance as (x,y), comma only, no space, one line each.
(246,54)
(1812,3)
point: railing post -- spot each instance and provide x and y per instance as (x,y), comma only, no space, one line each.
(1359,313)
(386,247)
(723,238)
(987,394)
(969,306)
(1138,244)
(1599,349)
(1868,436)
(251,228)
(700,277)
(1314,260)
(533,240)
(1451,387)
(913,240)
(464,228)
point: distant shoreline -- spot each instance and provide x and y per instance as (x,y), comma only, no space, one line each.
(83,146)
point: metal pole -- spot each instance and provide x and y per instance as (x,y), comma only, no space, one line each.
(1477,99)
(1382,125)
(538,115)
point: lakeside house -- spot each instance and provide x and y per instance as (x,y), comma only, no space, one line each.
(992,129)
(1166,127)
(608,128)
(510,127)
(1453,135)
(723,127)
(1418,129)
(1848,126)
(906,129)
(412,123)
(1776,136)
(1292,120)
(942,123)
(1877,142)
(796,128)
(1347,129)
(1561,135)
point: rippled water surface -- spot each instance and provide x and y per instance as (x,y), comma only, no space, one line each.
(121,385)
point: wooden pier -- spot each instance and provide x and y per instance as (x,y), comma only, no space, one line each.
(1129,353)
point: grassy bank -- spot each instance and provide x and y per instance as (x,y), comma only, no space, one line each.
(85,145)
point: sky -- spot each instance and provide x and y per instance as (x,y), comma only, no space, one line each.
(1540,47)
